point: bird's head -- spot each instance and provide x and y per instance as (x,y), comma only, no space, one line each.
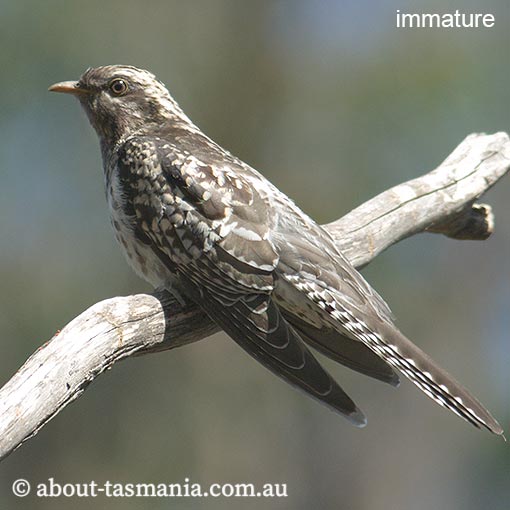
(122,100)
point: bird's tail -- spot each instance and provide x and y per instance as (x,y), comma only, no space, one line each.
(342,349)
(399,352)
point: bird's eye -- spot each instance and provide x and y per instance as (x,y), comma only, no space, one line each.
(118,87)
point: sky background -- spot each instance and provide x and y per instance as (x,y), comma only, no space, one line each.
(334,105)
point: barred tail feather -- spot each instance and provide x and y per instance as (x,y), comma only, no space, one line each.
(342,349)
(434,381)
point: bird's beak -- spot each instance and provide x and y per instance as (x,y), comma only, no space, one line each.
(68,87)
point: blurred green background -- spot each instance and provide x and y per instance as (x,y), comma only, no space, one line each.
(332,103)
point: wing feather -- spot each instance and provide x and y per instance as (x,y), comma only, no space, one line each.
(267,337)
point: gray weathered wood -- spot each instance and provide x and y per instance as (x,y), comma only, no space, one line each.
(442,201)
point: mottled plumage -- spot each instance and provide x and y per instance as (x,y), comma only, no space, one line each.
(196,220)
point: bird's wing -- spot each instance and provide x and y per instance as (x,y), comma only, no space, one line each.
(255,323)
(218,225)
(346,302)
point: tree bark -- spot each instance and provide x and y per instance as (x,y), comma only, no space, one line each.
(442,201)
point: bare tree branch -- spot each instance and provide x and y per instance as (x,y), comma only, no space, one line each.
(442,201)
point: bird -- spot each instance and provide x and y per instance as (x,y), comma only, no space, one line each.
(197,221)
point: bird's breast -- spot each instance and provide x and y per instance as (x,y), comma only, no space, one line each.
(155,225)
(138,251)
